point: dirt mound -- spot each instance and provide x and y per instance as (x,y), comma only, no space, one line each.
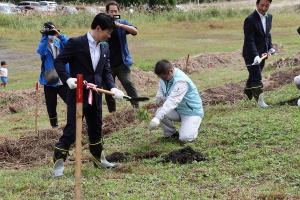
(190,65)
(184,156)
(144,79)
(118,157)
(118,120)
(28,150)
(229,93)
(15,101)
(233,92)
(285,62)
(280,78)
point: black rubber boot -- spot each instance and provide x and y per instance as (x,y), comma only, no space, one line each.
(248,93)
(53,122)
(96,150)
(98,156)
(256,92)
(60,153)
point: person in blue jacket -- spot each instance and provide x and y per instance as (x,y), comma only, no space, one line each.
(51,44)
(120,57)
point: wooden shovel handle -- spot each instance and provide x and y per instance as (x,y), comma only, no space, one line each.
(110,93)
(105,91)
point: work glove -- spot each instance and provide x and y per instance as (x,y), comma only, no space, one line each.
(154,123)
(271,51)
(297,81)
(118,94)
(257,60)
(72,83)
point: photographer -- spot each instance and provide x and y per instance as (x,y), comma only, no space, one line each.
(120,58)
(51,44)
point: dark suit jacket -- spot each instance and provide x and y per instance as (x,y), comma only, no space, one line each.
(256,41)
(77,54)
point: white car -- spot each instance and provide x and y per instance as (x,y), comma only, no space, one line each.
(7,8)
(48,5)
(28,5)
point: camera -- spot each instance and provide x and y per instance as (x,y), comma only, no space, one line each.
(117,17)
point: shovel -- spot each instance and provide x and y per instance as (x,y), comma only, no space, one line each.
(128,98)
(262,58)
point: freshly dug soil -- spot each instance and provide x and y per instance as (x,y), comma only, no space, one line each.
(184,156)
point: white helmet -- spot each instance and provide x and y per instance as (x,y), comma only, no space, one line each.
(297,81)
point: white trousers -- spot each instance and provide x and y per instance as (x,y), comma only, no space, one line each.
(188,130)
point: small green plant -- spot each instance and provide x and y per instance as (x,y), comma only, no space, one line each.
(143,115)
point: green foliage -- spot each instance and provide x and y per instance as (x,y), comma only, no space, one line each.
(143,115)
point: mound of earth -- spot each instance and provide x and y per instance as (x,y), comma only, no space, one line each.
(285,62)
(15,101)
(190,65)
(28,150)
(118,157)
(233,92)
(184,156)
(118,120)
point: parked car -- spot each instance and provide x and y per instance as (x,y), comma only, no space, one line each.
(48,5)
(28,5)
(7,8)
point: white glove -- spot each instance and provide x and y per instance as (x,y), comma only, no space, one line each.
(154,123)
(72,83)
(271,51)
(297,81)
(118,94)
(257,60)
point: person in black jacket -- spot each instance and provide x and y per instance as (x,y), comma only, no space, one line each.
(89,56)
(257,43)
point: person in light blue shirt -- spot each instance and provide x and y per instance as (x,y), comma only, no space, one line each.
(180,101)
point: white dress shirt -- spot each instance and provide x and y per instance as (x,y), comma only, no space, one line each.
(94,50)
(263,19)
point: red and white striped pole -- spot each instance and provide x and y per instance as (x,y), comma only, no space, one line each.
(79,101)
(36,108)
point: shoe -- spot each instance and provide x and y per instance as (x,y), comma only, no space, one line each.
(59,156)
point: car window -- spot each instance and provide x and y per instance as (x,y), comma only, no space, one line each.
(35,4)
(43,3)
(24,4)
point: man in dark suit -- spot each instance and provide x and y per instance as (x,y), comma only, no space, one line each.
(257,44)
(89,56)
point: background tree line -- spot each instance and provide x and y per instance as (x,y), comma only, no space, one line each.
(134,2)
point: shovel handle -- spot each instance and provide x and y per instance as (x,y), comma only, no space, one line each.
(99,90)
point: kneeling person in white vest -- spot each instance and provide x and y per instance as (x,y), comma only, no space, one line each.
(180,102)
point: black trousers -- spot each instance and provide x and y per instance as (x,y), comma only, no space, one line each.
(254,85)
(93,116)
(51,100)
(123,74)
(255,75)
